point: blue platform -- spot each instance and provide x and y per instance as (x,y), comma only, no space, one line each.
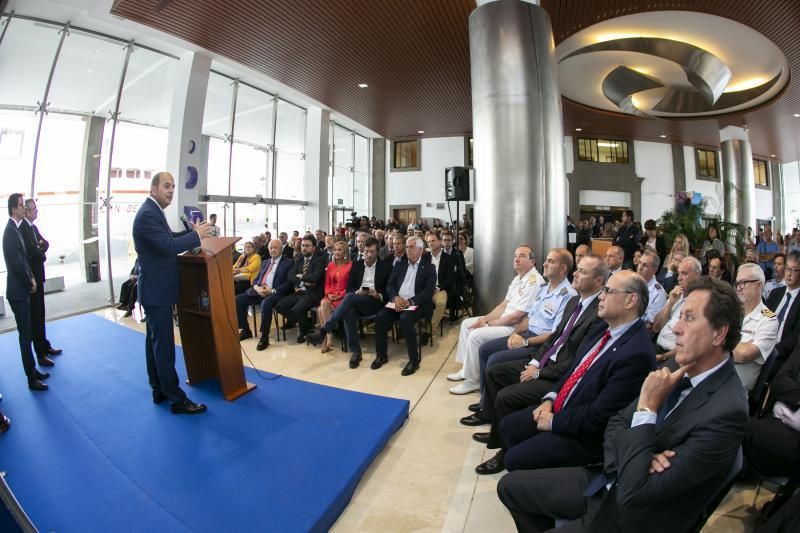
(95,454)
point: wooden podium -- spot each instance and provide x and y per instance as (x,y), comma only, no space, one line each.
(207,314)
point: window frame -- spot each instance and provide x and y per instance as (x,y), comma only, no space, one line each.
(767,180)
(392,152)
(698,175)
(594,151)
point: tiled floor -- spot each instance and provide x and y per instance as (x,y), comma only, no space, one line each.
(424,478)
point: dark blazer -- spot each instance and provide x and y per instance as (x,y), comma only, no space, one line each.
(314,278)
(608,386)
(786,385)
(382,273)
(446,275)
(424,285)
(587,322)
(20,277)
(389,259)
(158,247)
(661,247)
(791,329)
(287,251)
(280,282)
(34,252)
(705,431)
(667,283)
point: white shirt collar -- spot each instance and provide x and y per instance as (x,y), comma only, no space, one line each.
(698,379)
(15,222)
(158,206)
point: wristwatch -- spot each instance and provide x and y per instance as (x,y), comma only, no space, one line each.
(525,343)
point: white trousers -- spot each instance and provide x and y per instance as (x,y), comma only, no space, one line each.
(470,341)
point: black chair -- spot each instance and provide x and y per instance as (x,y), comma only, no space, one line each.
(760,393)
(726,486)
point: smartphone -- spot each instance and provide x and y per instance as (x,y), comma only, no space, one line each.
(365,289)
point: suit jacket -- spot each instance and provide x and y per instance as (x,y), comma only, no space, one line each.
(705,431)
(314,278)
(791,330)
(280,281)
(157,247)
(446,275)
(389,259)
(382,273)
(667,283)
(287,251)
(20,277)
(608,385)
(424,285)
(34,252)
(785,387)
(585,323)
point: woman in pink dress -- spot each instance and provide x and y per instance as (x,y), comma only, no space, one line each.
(336,277)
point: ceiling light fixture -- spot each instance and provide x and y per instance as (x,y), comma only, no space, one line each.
(578,129)
(607,144)
(796,115)
(663,136)
(363,85)
(421,131)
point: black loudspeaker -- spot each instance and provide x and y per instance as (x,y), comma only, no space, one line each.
(456,184)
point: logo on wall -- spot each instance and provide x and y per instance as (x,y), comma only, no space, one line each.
(192,146)
(191,177)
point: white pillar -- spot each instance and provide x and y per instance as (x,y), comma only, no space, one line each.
(317,162)
(187,160)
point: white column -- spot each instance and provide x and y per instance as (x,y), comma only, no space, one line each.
(187,160)
(317,161)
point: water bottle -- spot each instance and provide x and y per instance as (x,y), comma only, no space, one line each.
(204,299)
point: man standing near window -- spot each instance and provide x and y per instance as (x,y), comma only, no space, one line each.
(628,238)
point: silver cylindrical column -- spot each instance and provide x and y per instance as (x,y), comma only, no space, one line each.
(739,182)
(520,185)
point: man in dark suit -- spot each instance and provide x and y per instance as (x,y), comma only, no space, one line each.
(669,452)
(514,385)
(366,294)
(307,279)
(36,246)
(567,428)
(410,285)
(357,253)
(398,252)
(20,284)
(459,273)
(269,286)
(287,250)
(785,302)
(445,266)
(628,238)
(157,247)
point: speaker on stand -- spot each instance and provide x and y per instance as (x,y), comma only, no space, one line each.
(456,189)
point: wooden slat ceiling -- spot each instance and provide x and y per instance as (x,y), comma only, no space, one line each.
(414,54)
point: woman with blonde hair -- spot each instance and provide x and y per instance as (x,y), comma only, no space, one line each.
(336,277)
(246,268)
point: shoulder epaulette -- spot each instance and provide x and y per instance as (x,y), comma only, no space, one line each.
(564,291)
(532,278)
(767,313)
(659,287)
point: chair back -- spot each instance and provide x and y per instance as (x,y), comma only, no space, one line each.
(725,487)
(758,395)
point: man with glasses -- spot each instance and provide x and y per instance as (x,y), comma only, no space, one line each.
(784,302)
(609,368)
(688,269)
(759,327)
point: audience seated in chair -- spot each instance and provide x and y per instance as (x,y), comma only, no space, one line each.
(337,276)
(307,279)
(759,327)
(445,266)
(663,324)
(785,303)
(669,452)
(128,292)
(647,268)
(246,268)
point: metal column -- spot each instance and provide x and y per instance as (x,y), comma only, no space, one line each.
(520,184)
(738,180)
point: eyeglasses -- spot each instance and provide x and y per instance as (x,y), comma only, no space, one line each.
(609,290)
(741,284)
(792,270)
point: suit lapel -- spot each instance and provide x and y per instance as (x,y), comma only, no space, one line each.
(611,352)
(589,311)
(700,395)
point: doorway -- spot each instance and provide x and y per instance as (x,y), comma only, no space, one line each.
(405,215)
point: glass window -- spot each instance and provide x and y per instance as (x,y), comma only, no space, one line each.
(26,57)
(707,165)
(342,178)
(218,156)
(603,150)
(291,218)
(17,137)
(406,155)
(361,191)
(147,92)
(760,173)
(250,166)
(290,142)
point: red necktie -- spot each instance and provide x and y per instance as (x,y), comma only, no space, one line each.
(264,277)
(578,374)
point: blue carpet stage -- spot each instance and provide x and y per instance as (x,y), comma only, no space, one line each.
(95,454)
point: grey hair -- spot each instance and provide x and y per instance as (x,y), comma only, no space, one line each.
(755,270)
(638,286)
(696,266)
(656,259)
(419,242)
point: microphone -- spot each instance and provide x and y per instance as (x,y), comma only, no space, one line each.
(186,223)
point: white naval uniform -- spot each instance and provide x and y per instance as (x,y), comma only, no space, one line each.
(759,327)
(658,299)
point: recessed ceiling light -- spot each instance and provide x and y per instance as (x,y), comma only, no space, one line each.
(578,129)
(772,155)
(363,85)
(663,136)
(421,131)
(796,115)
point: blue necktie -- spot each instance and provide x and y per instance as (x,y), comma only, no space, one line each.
(672,400)
(785,307)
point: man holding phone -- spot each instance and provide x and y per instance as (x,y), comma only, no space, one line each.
(366,294)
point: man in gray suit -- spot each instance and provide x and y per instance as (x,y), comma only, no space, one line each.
(669,452)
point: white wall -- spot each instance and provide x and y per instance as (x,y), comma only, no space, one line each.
(710,190)
(791,194)
(764,204)
(426,186)
(605,198)
(654,163)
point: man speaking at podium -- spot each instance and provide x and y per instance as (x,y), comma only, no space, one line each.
(158,247)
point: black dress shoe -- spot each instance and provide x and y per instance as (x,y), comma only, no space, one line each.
(54,351)
(263,344)
(45,361)
(245,334)
(474,407)
(5,423)
(492,466)
(301,339)
(476,419)
(158,396)
(37,384)
(187,407)
(411,367)
(355,359)
(315,337)
(41,376)
(481,436)
(379,361)
(128,312)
